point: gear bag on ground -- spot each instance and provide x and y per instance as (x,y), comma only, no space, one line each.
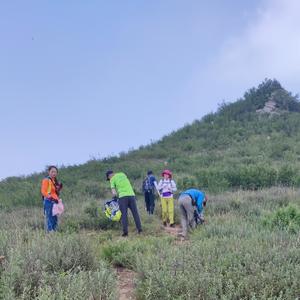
(112,210)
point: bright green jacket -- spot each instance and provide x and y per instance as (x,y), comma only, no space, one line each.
(121,184)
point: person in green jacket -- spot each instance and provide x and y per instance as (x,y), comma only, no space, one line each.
(122,189)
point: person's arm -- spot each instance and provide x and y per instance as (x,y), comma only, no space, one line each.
(113,188)
(159,186)
(205,200)
(143,186)
(173,186)
(199,204)
(45,188)
(114,192)
(156,188)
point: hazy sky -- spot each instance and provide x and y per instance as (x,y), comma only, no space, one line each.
(83,79)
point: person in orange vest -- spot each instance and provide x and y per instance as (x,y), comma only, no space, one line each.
(50,190)
(166,187)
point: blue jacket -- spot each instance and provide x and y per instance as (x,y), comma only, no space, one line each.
(197,196)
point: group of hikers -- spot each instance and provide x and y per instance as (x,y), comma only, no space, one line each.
(191,201)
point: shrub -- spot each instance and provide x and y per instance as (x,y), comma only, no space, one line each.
(252,176)
(214,180)
(98,284)
(51,254)
(96,219)
(186,182)
(124,253)
(287,176)
(287,218)
(202,270)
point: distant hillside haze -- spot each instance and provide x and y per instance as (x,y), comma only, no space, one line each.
(252,143)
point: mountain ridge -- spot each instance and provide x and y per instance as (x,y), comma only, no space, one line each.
(235,147)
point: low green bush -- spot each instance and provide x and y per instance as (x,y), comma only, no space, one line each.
(99,284)
(287,218)
(222,267)
(234,255)
(214,180)
(50,254)
(287,175)
(90,217)
(125,253)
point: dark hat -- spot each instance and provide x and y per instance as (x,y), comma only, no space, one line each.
(109,172)
(149,172)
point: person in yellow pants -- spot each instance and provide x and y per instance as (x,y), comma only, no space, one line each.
(166,187)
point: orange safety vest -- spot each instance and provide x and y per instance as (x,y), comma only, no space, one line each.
(48,189)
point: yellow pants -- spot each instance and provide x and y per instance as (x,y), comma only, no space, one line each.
(167,209)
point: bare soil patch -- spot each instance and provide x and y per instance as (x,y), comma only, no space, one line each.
(126,284)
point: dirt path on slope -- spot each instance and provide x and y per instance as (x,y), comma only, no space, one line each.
(126,286)
(174,231)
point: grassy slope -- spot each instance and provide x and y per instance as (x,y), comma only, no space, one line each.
(232,148)
(249,248)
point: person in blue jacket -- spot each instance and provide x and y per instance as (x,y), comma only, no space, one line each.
(189,201)
(149,187)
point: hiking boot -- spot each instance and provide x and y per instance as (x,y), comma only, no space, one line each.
(140,231)
(172,225)
(125,234)
(165,223)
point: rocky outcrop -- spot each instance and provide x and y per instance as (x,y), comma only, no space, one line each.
(270,107)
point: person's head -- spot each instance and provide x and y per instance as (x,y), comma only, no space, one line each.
(109,174)
(166,174)
(52,171)
(149,172)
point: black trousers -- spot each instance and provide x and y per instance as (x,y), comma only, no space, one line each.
(149,199)
(125,203)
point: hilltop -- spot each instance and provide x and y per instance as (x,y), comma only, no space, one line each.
(243,145)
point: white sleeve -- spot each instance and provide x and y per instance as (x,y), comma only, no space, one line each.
(173,185)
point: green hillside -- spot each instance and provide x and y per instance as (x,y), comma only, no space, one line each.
(236,147)
(248,247)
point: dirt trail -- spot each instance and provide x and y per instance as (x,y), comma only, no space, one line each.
(174,231)
(126,284)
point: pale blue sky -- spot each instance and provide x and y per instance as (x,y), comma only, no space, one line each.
(82,79)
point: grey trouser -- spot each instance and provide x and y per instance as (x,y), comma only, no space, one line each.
(125,203)
(186,213)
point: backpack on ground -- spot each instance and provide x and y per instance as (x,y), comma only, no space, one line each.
(112,210)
